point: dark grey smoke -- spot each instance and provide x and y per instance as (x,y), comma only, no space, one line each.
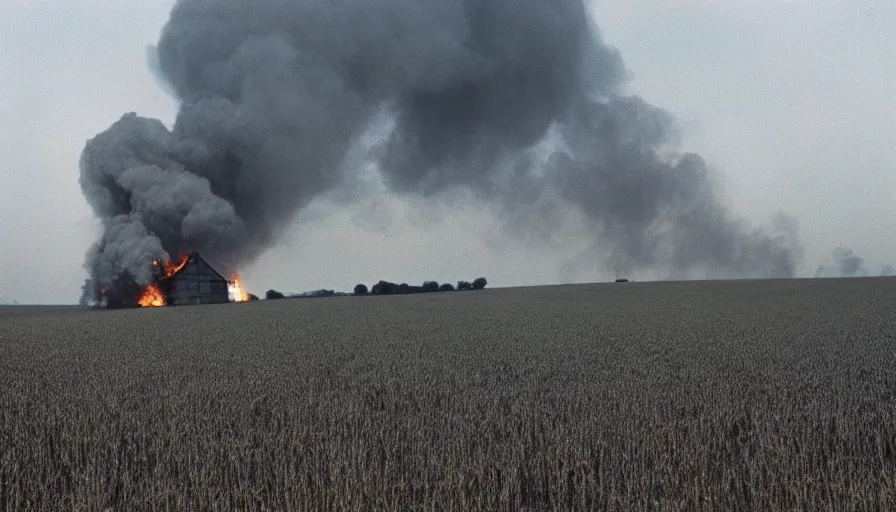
(517,100)
(887,270)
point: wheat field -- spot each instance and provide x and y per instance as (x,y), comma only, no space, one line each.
(753,395)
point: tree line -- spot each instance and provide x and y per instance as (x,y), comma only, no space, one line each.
(388,288)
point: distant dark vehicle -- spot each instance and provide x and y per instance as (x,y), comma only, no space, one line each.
(622,280)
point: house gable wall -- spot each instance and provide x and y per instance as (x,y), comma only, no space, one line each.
(197,283)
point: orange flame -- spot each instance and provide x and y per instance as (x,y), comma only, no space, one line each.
(151,296)
(170,268)
(236,289)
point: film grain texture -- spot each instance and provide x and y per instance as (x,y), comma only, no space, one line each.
(774,395)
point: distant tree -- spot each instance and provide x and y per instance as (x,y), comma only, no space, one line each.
(384,288)
(479,283)
(404,288)
(446,287)
(252,296)
(464,285)
(430,286)
(361,289)
(273,294)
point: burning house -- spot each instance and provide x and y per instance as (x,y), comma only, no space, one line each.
(191,280)
(196,282)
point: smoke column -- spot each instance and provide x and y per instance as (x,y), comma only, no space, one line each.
(518,101)
(846,263)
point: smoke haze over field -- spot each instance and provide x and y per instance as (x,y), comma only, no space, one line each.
(520,102)
(846,263)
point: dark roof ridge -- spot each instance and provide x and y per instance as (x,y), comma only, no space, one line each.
(198,257)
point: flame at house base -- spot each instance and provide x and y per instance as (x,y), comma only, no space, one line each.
(237,293)
(152,296)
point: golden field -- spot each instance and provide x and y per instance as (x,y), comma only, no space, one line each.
(750,395)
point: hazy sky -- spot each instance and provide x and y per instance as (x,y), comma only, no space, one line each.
(792,101)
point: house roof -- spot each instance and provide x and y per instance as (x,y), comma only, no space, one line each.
(195,258)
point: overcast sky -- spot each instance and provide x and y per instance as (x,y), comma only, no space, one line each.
(792,101)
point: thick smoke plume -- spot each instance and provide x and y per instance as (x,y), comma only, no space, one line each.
(518,101)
